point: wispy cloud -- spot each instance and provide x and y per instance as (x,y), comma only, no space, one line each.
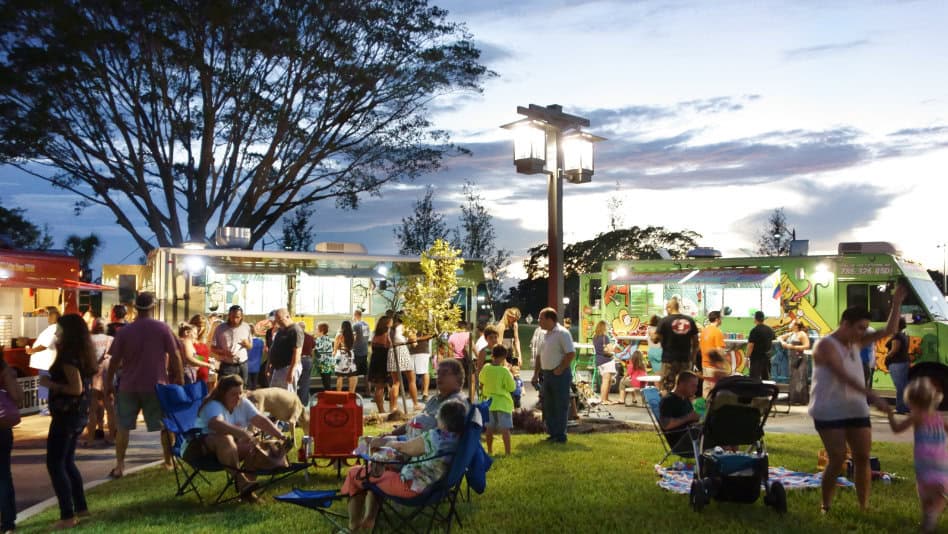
(811,52)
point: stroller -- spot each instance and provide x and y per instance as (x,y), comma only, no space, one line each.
(737,411)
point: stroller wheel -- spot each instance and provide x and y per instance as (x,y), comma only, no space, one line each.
(777,497)
(697,498)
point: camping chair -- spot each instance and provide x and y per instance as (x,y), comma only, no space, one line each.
(682,448)
(179,406)
(470,462)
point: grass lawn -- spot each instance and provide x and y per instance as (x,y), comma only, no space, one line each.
(596,483)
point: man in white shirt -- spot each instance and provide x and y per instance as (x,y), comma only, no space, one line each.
(553,361)
(43,351)
(230,344)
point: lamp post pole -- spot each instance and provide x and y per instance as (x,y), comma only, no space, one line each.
(554,291)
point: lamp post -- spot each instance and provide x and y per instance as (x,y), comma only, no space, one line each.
(548,141)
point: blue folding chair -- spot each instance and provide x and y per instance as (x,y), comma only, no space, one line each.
(682,448)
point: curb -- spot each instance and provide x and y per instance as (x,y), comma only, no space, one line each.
(43,505)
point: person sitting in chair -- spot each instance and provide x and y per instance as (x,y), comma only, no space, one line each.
(430,457)
(224,417)
(675,411)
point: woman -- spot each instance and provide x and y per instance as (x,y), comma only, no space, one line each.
(838,397)
(897,362)
(224,418)
(192,363)
(7,495)
(604,360)
(430,455)
(400,363)
(420,358)
(69,383)
(654,347)
(510,337)
(201,350)
(99,408)
(795,342)
(345,359)
(378,364)
(325,362)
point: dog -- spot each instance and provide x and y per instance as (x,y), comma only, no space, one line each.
(281,404)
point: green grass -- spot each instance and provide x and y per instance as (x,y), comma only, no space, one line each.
(596,483)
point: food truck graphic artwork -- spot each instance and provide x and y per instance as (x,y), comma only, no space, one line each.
(812,289)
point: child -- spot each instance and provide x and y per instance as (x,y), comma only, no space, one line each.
(931,456)
(635,368)
(497,384)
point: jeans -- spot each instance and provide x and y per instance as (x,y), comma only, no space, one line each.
(7,496)
(302,387)
(899,374)
(556,403)
(64,432)
(233,369)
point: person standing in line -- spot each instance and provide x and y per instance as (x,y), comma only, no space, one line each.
(360,346)
(678,335)
(325,362)
(191,362)
(711,341)
(116,320)
(378,364)
(421,359)
(399,364)
(69,383)
(146,351)
(99,408)
(796,342)
(556,355)
(759,343)
(304,384)
(285,352)
(201,350)
(605,362)
(231,342)
(43,350)
(897,362)
(346,366)
(7,494)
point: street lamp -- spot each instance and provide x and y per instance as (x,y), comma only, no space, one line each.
(551,142)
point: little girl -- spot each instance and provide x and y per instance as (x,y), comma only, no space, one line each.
(635,368)
(931,454)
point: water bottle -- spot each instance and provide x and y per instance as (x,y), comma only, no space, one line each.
(305,449)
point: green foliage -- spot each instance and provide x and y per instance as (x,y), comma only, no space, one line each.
(421,229)
(234,113)
(429,305)
(22,232)
(774,239)
(297,231)
(84,249)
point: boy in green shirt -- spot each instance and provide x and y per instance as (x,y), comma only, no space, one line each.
(497,384)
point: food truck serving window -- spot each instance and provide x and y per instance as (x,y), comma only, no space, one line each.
(257,294)
(323,294)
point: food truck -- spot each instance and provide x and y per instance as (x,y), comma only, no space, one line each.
(29,282)
(325,285)
(812,289)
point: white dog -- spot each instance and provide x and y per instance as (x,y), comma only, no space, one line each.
(281,404)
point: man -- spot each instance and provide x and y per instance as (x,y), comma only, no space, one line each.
(147,353)
(360,343)
(230,344)
(306,364)
(675,411)
(43,351)
(712,339)
(286,352)
(678,335)
(450,381)
(868,356)
(556,354)
(759,342)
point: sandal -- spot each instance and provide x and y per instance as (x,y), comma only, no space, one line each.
(115,473)
(248,489)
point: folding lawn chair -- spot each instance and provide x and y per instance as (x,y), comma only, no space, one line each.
(682,448)
(180,405)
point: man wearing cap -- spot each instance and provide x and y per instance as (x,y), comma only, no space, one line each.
(230,344)
(147,353)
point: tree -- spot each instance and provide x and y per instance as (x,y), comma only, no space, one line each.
(476,238)
(83,249)
(429,299)
(192,115)
(615,209)
(419,231)
(21,232)
(297,232)
(774,239)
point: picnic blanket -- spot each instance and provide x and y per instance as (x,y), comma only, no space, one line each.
(679,480)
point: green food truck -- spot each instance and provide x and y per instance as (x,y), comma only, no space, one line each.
(812,289)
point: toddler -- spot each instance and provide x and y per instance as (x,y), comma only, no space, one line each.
(497,384)
(931,456)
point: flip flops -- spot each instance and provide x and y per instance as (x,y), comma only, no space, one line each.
(115,473)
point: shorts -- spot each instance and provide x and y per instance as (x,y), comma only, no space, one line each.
(278,378)
(499,421)
(421,363)
(129,404)
(608,367)
(853,422)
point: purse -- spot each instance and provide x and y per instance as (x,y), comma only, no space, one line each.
(9,412)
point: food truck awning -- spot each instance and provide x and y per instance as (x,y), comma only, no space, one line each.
(705,276)
(42,270)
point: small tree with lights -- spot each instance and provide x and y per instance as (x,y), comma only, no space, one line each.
(429,308)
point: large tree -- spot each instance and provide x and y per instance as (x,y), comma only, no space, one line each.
(190,114)
(774,239)
(297,230)
(419,231)
(21,232)
(477,238)
(83,249)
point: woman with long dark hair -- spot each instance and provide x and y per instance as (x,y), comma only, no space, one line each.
(69,383)
(344,357)
(378,364)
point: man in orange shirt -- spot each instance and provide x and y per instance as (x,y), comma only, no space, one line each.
(712,339)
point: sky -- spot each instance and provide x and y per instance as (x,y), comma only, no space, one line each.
(716,113)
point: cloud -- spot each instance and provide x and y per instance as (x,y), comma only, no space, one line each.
(493,53)
(631,118)
(812,52)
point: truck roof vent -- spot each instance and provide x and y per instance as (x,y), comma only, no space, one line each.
(232,237)
(341,248)
(704,252)
(868,247)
